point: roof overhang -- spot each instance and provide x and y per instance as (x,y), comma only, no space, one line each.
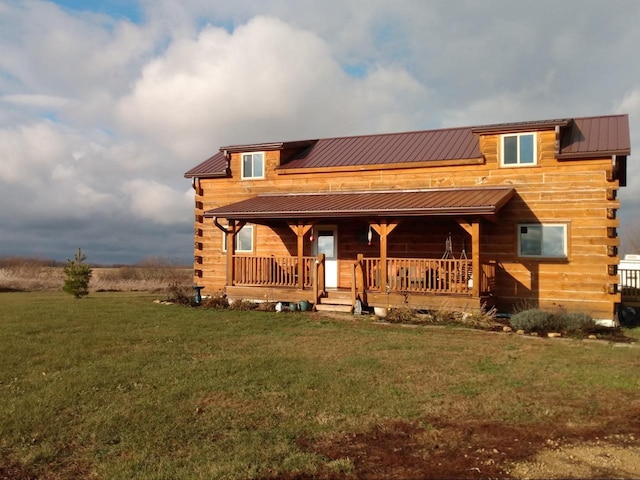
(522,126)
(483,201)
(259,147)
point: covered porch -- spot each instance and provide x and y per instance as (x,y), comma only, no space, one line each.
(328,264)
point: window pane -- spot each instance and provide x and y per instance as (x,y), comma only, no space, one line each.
(247,164)
(510,150)
(531,240)
(526,149)
(326,243)
(257,165)
(553,241)
(244,240)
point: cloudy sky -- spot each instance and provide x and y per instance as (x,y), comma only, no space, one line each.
(104,104)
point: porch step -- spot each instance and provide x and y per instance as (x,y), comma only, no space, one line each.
(333,307)
(336,300)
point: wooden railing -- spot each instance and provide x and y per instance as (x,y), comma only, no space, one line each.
(629,284)
(427,275)
(403,274)
(272,271)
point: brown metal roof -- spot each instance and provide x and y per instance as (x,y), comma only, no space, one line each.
(596,136)
(586,137)
(409,147)
(396,203)
(215,166)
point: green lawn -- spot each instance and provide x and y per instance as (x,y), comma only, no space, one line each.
(115,386)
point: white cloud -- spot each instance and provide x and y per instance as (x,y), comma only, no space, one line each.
(160,203)
(265,81)
(101,116)
(34,100)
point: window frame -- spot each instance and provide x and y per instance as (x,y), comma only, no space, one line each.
(253,156)
(565,247)
(253,240)
(518,163)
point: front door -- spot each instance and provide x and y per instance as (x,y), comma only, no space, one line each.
(326,241)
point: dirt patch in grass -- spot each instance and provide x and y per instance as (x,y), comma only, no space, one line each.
(450,449)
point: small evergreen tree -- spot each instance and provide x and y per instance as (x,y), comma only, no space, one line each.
(77,276)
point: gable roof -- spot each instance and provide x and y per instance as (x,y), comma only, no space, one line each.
(585,137)
(396,203)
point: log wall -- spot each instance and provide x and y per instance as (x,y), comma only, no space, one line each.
(576,192)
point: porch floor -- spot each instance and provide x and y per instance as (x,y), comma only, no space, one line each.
(423,301)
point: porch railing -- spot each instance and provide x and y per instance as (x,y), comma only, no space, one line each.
(272,271)
(403,274)
(629,284)
(427,275)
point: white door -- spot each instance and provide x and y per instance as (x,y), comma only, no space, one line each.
(326,241)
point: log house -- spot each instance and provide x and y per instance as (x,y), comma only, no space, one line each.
(508,215)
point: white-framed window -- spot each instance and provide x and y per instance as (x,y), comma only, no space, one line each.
(519,150)
(544,240)
(253,165)
(244,240)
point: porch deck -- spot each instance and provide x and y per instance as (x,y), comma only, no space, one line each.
(414,282)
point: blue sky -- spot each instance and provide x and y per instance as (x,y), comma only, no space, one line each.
(105,104)
(114,8)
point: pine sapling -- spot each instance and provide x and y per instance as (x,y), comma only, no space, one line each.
(77,276)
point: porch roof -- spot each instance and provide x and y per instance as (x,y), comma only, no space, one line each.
(396,203)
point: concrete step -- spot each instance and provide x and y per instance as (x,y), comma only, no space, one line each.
(332,307)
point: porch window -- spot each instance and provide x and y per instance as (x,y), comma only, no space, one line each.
(252,165)
(518,150)
(542,240)
(244,240)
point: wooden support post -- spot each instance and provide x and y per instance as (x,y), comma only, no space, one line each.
(321,275)
(300,229)
(476,267)
(383,229)
(473,229)
(231,250)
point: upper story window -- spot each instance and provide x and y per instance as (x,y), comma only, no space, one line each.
(253,165)
(519,149)
(547,240)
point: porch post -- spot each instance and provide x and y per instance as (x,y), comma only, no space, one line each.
(231,250)
(473,229)
(475,257)
(300,230)
(383,229)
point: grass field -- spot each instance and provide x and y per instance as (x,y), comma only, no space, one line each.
(115,386)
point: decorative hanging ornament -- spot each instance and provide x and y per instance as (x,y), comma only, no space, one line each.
(311,237)
(369,235)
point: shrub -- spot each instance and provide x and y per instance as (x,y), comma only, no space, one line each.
(541,321)
(180,294)
(77,276)
(532,320)
(218,300)
(267,307)
(401,315)
(243,305)
(575,322)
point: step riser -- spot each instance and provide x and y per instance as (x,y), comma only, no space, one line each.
(336,301)
(328,307)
